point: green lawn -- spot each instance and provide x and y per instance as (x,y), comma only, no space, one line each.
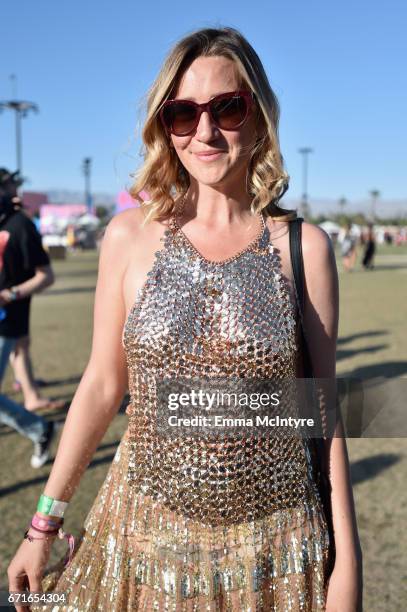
(372,342)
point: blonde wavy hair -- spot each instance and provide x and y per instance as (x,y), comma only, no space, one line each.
(163,176)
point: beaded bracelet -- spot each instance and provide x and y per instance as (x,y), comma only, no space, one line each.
(31,538)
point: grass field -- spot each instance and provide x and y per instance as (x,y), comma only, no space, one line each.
(372,342)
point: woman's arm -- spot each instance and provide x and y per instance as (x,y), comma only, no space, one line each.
(321,315)
(104,381)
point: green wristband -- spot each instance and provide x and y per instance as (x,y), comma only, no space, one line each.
(44,504)
(48,505)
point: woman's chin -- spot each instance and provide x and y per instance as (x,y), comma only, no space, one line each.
(212,177)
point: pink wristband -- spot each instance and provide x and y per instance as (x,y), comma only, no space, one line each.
(44,524)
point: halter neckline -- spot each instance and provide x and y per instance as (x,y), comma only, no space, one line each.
(247,248)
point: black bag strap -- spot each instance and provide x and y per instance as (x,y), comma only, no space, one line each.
(297,264)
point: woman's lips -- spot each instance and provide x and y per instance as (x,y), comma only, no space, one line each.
(209,156)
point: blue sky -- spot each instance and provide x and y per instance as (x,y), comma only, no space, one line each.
(338,69)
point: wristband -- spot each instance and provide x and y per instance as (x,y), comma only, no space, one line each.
(15,294)
(45,524)
(53,507)
(44,531)
(60,534)
(31,538)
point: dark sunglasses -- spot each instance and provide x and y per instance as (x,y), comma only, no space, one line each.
(228,111)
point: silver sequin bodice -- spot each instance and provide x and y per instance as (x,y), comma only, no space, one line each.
(197,318)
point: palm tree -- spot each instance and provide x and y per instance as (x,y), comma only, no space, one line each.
(342,203)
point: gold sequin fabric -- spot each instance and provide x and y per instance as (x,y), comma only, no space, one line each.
(189,523)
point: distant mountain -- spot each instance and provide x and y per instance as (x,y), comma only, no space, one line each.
(329,206)
(68,196)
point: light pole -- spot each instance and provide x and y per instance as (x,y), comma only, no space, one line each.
(21,109)
(374,194)
(342,203)
(305,151)
(87,167)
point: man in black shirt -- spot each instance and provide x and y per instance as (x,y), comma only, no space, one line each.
(24,269)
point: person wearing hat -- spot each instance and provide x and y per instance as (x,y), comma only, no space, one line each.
(24,269)
(20,360)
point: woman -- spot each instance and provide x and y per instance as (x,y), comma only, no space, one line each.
(183,522)
(370,248)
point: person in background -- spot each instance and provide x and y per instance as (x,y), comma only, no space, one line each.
(20,358)
(370,248)
(36,219)
(25,380)
(20,253)
(348,249)
(70,237)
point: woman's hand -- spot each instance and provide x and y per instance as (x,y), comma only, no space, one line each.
(4,297)
(345,587)
(27,567)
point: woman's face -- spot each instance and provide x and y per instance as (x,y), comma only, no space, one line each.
(206,78)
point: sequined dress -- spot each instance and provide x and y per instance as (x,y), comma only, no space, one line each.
(195,524)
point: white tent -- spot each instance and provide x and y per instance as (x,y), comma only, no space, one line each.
(88,220)
(52,223)
(356,231)
(330,227)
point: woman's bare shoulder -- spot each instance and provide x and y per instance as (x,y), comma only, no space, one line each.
(125,224)
(319,256)
(315,241)
(128,239)
(122,233)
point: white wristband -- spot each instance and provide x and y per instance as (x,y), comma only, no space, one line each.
(58,508)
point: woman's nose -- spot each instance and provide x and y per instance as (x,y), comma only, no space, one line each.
(206,128)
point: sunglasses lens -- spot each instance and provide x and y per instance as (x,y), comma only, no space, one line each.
(229,112)
(180,118)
